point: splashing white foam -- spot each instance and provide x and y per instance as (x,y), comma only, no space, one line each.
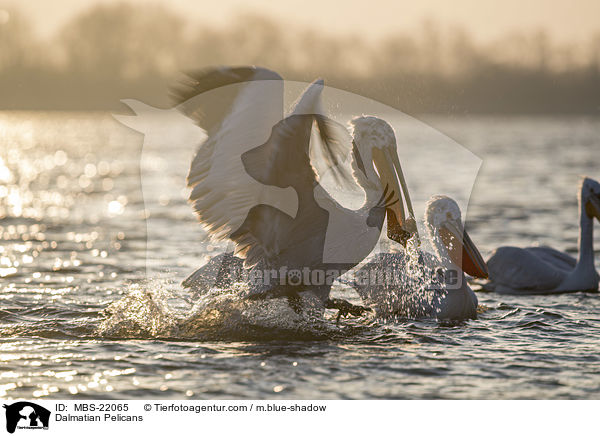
(163,312)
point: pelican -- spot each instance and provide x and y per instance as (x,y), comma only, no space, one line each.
(308,245)
(544,270)
(436,287)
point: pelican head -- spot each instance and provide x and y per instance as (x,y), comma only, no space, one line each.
(376,131)
(450,238)
(590,197)
(374,148)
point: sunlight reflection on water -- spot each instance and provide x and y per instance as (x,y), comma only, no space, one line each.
(72,242)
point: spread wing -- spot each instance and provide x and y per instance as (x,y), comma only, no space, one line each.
(517,270)
(238,116)
(213,108)
(285,161)
(252,157)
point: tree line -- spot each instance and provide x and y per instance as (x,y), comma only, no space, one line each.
(111,52)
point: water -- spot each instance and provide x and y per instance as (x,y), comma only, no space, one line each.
(74,249)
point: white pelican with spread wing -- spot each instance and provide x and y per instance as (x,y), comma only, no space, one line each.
(305,230)
(544,270)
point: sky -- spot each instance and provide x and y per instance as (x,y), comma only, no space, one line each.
(565,20)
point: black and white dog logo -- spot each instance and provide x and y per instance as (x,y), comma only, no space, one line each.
(26,415)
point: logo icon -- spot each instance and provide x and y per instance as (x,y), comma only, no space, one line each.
(26,415)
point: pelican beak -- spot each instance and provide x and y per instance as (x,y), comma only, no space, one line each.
(401,225)
(592,207)
(463,252)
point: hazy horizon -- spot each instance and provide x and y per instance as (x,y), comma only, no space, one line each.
(565,21)
(429,58)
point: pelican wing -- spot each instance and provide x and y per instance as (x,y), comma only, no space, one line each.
(520,270)
(252,157)
(213,108)
(330,143)
(238,116)
(554,257)
(284,160)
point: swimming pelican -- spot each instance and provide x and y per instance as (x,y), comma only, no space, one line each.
(289,249)
(544,270)
(438,288)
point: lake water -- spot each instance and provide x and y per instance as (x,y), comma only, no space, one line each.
(93,246)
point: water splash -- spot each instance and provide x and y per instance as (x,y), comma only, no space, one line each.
(159,311)
(405,285)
